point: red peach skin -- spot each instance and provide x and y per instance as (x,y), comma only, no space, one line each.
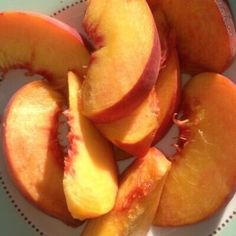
(42,45)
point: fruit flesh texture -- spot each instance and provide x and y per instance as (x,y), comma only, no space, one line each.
(138,197)
(32,152)
(120,68)
(204,30)
(135,132)
(90,178)
(203,174)
(42,45)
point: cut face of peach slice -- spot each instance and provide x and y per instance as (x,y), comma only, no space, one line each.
(203,174)
(138,197)
(42,45)
(125,65)
(135,132)
(90,178)
(32,152)
(205,33)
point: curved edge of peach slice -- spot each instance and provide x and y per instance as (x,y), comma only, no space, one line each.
(90,177)
(138,198)
(203,174)
(135,132)
(33,154)
(128,71)
(42,45)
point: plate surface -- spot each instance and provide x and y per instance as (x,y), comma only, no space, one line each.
(17,217)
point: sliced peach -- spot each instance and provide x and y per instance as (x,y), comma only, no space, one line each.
(125,65)
(90,178)
(42,45)
(138,196)
(203,174)
(32,152)
(205,33)
(168,93)
(135,132)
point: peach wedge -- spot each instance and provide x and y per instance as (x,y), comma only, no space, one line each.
(138,197)
(90,177)
(33,154)
(125,64)
(205,33)
(203,174)
(42,45)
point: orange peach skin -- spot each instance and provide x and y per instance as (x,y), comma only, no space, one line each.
(168,88)
(42,45)
(90,177)
(166,34)
(135,132)
(203,174)
(138,197)
(125,65)
(205,33)
(32,152)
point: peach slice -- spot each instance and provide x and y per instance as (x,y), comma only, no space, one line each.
(148,123)
(168,93)
(135,132)
(138,196)
(203,174)
(42,45)
(125,65)
(90,178)
(205,33)
(32,152)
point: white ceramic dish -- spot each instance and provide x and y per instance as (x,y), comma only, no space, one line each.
(15,210)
